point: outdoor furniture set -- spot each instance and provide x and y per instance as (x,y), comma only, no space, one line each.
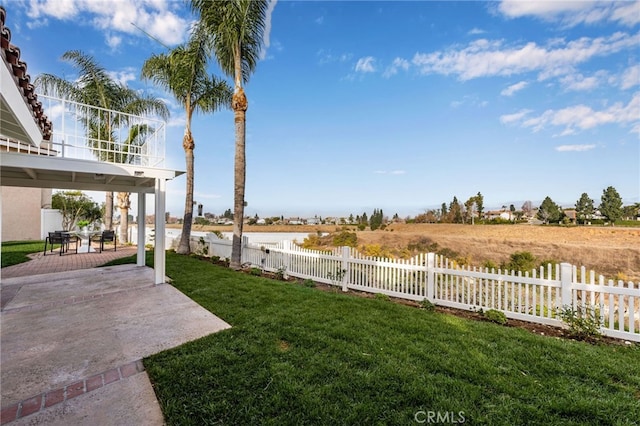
(66,239)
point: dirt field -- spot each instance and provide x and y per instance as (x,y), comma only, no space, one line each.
(606,250)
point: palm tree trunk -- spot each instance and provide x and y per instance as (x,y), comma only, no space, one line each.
(108,211)
(185,239)
(124,203)
(239,105)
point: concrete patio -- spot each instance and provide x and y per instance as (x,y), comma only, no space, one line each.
(72,342)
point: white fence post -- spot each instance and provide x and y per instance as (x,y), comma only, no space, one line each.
(431,276)
(286,245)
(566,278)
(245,243)
(346,267)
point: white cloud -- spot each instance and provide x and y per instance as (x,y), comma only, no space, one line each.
(581,117)
(123,77)
(469,100)
(154,17)
(267,29)
(512,118)
(326,57)
(113,41)
(485,58)
(575,148)
(319,20)
(630,77)
(179,120)
(37,23)
(397,64)
(366,64)
(571,13)
(578,82)
(476,31)
(509,91)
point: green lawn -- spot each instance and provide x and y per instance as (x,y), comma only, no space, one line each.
(297,355)
(14,252)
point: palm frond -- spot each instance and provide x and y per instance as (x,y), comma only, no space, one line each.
(51,85)
(237,28)
(183,72)
(214,95)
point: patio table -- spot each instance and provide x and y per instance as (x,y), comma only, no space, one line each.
(85,237)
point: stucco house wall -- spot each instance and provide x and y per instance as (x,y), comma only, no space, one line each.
(21,212)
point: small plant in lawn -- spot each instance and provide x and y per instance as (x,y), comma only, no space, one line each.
(382,296)
(215,259)
(336,278)
(203,247)
(427,305)
(309,283)
(281,273)
(496,316)
(584,321)
(255,271)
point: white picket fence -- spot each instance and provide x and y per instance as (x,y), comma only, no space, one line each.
(534,297)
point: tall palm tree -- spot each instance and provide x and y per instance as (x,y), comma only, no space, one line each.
(95,87)
(237,27)
(183,72)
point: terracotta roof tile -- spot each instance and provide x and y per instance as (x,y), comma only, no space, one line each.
(11,57)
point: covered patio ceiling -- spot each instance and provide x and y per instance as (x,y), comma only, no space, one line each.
(39,171)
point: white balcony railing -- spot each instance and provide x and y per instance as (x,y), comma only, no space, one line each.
(91,133)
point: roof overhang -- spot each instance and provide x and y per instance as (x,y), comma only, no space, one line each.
(16,118)
(36,171)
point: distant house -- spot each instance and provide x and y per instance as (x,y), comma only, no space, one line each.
(572,215)
(313,221)
(499,214)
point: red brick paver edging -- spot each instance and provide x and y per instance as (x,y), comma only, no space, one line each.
(53,397)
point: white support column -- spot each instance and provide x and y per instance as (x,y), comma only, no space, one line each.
(159,240)
(142,212)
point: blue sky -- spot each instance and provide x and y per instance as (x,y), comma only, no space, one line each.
(393,105)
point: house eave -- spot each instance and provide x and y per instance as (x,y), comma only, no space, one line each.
(17,169)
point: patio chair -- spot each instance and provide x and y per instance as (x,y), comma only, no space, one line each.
(105,237)
(60,237)
(71,239)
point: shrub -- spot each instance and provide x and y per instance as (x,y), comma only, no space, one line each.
(336,278)
(345,238)
(309,283)
(584,321)
(381,296)
(620,276)
(490,264)
(521,261)
(281,273)
(427,305)
(423,244)
(255,271)
(362,226)
(311,241)
(448,253)
(496,316)
(376,250)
